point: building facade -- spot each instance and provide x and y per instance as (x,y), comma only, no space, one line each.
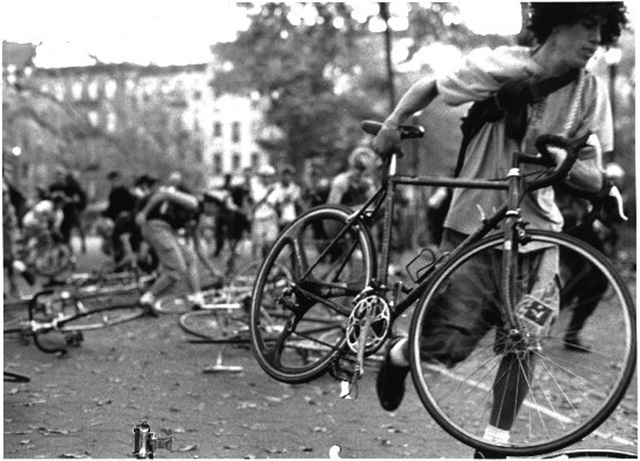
(107,116)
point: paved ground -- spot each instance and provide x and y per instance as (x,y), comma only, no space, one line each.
(86,404)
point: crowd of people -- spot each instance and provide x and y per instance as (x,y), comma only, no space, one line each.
(55,212)
(179,232)
(150,223)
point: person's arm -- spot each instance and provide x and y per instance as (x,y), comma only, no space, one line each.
(587,172)
(416,98)
(175,196)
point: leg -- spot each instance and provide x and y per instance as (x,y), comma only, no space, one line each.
(162,239)
(586,300)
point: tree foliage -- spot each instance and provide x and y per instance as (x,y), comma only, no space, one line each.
(322,71)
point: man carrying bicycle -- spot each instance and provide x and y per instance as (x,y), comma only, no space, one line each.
(519,93)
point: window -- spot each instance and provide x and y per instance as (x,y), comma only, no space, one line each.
(235,162)
(235,132)
(111,121)
(93,118)
(93,90)
(76,90)
(110,89)
(217,129)
(59,89)
(217,163)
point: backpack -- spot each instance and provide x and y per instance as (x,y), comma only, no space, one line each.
(510,103)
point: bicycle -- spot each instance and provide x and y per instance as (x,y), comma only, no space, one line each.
(60,317)
(46,255)
(342,276)
(224,316)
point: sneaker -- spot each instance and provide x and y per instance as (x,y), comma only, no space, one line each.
(390,381)
(148,301)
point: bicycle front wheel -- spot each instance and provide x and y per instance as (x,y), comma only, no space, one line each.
(533,391)
(303,294)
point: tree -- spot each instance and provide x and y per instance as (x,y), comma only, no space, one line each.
(322,71)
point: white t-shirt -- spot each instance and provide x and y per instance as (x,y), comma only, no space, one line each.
(489,153)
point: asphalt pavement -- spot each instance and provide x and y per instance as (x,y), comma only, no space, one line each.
(87,403)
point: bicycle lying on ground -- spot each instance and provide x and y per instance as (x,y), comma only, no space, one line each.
(336,273)
(44,254)
(58,318)
(223,318)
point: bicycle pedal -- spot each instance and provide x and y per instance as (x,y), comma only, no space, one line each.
(145,442)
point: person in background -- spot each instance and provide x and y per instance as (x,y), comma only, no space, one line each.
(121,201)
(264,226)
(287,197)
(354,186)
(9,230)
(164,212)
(136,252)
(315,190)
(241,196)
(75,201)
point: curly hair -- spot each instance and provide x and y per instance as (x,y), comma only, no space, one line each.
(545,16)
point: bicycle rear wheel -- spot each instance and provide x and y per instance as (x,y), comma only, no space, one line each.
(468,383)
(101,317)
(302,297)
(52,259)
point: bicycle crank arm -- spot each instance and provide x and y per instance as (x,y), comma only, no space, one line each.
(349,388)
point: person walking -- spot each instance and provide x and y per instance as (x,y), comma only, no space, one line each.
(505,118)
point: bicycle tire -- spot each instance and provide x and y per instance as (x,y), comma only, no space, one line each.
(291,310)
(568,395)
(215,325)
(53,259)
(101,317)
(586,453)
(10,377)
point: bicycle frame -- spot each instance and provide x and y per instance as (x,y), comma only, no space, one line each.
(384,198)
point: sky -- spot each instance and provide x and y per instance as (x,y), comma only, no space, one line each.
(163,32)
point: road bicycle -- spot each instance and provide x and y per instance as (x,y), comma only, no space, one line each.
(224,317)
(215,293)
(104,285)
(337,273)
(106,282)
(57,319)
